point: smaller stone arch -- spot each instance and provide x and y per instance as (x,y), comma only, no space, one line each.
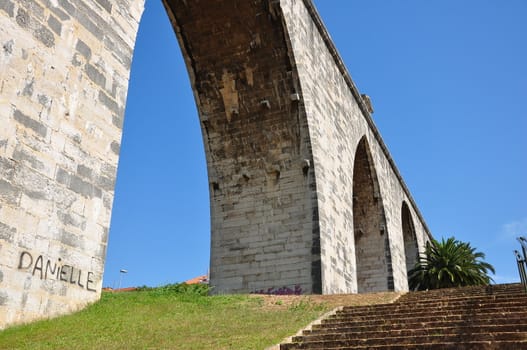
(372,246)
(411,247)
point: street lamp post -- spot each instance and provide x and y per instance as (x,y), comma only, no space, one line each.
(121,273)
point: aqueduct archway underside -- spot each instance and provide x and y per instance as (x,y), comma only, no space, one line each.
(304,194)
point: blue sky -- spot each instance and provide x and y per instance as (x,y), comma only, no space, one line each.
(448,81)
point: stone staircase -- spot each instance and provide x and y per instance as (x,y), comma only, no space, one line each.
(492,317)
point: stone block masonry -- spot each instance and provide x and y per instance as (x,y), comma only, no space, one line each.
(64,68)
(256,143)
(304,195)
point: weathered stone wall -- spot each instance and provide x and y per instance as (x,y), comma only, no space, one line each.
(338,118)
(264,237)
(64,68)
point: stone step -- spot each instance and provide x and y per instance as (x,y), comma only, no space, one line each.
(466,345)
(404,301)
(509,307)
(447,293)
(426,299)
(346,328)
(457,302)
(442,304)
(411,332)
(393,319)
(430,313)
(479,290)
(522,299)
(407,340)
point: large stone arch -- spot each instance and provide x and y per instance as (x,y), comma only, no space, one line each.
(255,137)
(280,118)
(372,248)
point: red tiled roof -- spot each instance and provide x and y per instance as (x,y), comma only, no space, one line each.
(197,280)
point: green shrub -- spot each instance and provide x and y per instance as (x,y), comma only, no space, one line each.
(179,288)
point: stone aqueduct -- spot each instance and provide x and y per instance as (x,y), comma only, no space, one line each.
(303,192)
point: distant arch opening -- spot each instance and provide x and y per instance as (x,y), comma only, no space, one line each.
(373,259)
(411,248)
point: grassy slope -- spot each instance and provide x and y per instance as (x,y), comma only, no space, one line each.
(164,320)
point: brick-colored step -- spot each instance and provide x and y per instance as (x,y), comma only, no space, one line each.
(428,339)
(346,328)
(467,330)
(458,301)
(510,289)
(472,345)
(432,314)
(425,319)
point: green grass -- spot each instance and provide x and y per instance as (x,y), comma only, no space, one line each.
(167,318)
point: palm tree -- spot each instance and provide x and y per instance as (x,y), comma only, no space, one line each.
(447,264)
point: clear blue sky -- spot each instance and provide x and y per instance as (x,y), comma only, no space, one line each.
(448,80)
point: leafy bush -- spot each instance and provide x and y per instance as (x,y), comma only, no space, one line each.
(179,288)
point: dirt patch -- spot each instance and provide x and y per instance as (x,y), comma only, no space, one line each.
(328,302)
